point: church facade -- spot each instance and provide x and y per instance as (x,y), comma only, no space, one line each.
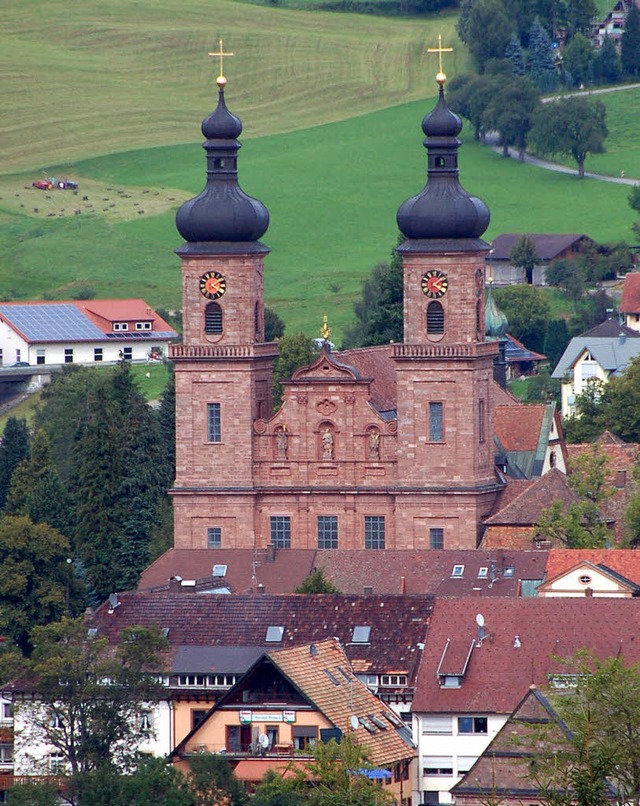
(386,447)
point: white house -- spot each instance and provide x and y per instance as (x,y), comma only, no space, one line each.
(601,352)
(81,332)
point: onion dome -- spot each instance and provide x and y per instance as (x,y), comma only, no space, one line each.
(223,211)
(495,322)
(442,209)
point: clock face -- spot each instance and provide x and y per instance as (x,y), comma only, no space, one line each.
(212,285)
(434,284)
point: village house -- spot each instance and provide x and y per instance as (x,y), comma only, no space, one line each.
(549,247)
(81,332)
(290,699)
(479,661)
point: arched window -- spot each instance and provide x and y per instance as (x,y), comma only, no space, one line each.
(435,319)
(213,318)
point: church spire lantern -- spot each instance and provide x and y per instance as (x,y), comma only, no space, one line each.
(223,212)
(442,209)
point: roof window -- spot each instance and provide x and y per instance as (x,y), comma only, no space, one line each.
(458,571)
(483,572)
(361,634)
(274,634)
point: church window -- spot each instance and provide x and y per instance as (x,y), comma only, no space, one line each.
(435,318)
(213,318)
(436,538)
(327,531)
(481,420)
(214,537)
(281,531)
(213,422)
(436,422)
(374,532)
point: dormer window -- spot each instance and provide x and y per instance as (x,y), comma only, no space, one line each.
(119,326)
(143,325)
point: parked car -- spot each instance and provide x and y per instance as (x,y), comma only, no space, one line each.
(21,364)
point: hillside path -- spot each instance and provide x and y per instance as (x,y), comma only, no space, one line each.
(492,137)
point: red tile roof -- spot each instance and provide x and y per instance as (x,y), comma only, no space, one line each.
(246,568)
(513,538)
(625,562)
(376,363)
(518,428)
(526,508)
(104,312)
(398,623)
(630,300)
(499,672)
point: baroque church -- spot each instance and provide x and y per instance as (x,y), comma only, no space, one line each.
(388,447)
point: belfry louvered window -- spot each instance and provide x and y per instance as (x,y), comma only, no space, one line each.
(435,319)
(213,318)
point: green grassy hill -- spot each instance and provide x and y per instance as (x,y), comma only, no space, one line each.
(131,82)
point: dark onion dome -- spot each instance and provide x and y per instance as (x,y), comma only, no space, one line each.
(442,209)
(223,211)
(495,322)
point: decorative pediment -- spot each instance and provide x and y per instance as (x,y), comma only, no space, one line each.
(326,367)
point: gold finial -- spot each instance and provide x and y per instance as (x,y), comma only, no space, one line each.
(441,77)
(221,80)
(325,332)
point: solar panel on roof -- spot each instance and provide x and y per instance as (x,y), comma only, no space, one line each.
(57,322)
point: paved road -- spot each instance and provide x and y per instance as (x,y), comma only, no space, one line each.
(492,137)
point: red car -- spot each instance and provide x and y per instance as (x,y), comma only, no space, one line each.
(50,184)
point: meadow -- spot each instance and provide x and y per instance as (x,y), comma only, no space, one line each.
(332,146)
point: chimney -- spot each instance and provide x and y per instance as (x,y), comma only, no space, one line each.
(403,584)
(368,590)
(261,588)
(175,583)
(588,592)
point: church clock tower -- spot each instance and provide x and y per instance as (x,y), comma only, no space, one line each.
(223,368)
(444,366)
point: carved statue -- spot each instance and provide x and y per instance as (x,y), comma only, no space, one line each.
(282,442)
(374,445)
(327,444)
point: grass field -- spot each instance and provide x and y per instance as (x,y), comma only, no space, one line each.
(332,188)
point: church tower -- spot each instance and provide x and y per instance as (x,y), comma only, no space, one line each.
(444,367)
(223,368)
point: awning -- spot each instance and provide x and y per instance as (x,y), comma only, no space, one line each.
(375,774)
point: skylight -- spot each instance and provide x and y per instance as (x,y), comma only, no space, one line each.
(508,571)
(219,571)
(482,572)
(274,634)
(361,634)
(458,571)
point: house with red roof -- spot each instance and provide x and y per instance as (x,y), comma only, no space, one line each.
(480,659)
(530,439)
(82,332)
(290,699)
(630,300)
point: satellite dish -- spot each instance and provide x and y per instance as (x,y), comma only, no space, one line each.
(480,620)
(313,650)
(113,602)
(263,741)
(353,721)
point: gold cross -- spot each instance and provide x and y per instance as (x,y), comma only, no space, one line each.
(221,80)
(441,77)
(325,331)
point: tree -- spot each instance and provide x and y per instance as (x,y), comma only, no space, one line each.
(488,31)
(556,340)
(510,112)
(571,127)
(580,525)
(630,43)
(607,66)
(568,275)
(336,772)
(273,325)
(515,56)
(36,490)
(580,14)
(590,418)
(634,203)
(578,60)
(524,255)
(621,399)
(13,449)
(316,582)
(294,351)
(469,95)
(213,783)
(31,794)
(379,311)
(602,713)
(527,310)
(541,65)
(37,584)
(89,699)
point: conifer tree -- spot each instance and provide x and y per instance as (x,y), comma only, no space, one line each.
(630,43)
(607,65)
(541,64)
(514,54)
(13,449)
